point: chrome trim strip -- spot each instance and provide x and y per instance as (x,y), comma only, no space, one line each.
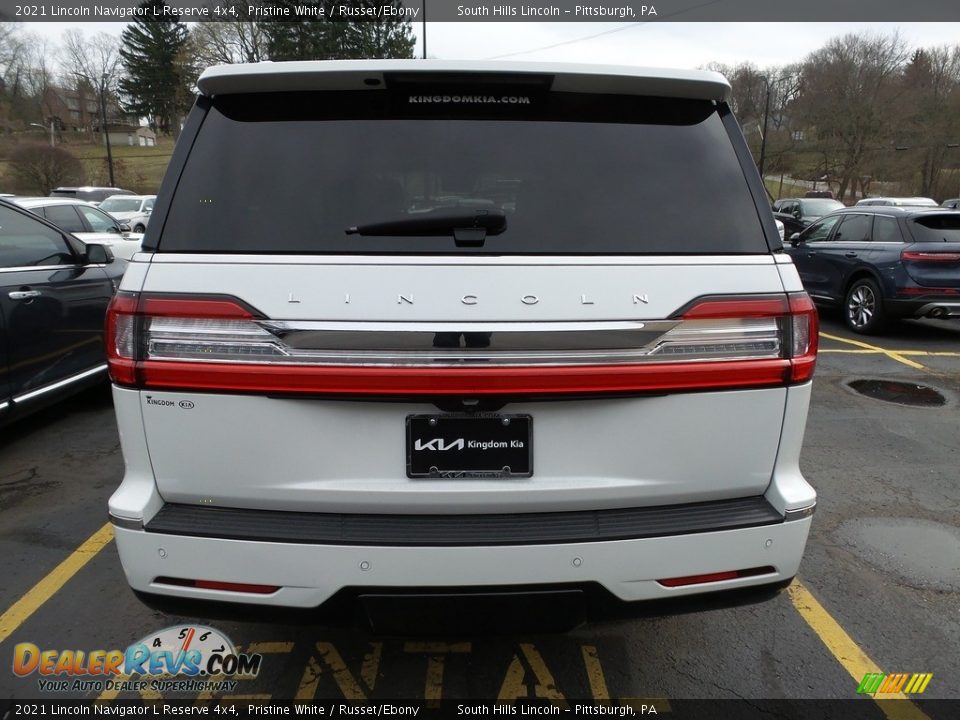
(799,513)
(456,344)
(399,328)
(446,340)
(126,523)
(469,260)
(59,384)
(36,267)
(4,405)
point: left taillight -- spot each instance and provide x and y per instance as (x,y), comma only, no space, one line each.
(136,323)
(121,338)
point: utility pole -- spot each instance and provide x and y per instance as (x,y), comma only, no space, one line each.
(103,122)
(763,138)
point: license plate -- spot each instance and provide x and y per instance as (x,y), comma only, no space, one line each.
(455,446)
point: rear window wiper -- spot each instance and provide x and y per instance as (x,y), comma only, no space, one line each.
(467,228)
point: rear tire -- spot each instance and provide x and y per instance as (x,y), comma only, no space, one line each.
(863,308)
(139,229)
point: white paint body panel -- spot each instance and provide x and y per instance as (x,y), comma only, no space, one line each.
(567,291)
(310,574)
(347,456)
(357,74)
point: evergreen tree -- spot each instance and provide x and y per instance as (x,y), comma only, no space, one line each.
(379,38)
(152,55)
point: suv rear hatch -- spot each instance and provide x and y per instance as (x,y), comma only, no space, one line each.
(933,261)
(340,266)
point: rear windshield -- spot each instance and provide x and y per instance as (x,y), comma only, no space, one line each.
(937,228)
(569,173)
(820,207)
(121,205)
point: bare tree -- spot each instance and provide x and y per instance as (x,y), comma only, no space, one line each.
(11,48)
(239,40)
(25,74)
(95,58)
(41,168)
(849,87)
(750,85)
(929,122)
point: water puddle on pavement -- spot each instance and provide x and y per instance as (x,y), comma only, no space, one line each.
(925,554)
(900,393)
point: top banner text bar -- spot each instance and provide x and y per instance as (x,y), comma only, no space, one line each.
(617,11)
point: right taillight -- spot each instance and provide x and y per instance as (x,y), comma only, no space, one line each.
(787,324)
(804,337)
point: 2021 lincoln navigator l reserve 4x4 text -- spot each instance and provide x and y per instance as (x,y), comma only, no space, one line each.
(452,325)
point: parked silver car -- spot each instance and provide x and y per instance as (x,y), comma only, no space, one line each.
(85,222)
(898,202)
(134,210)
(91,194)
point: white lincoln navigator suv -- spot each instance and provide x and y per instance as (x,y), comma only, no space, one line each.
(441,326)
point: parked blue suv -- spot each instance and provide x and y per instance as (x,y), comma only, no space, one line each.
(882,263)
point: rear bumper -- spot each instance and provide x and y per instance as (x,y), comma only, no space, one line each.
(310,574)
(947,307)
(459,530)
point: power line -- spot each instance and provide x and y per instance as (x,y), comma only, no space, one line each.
(605,32)
(568,42)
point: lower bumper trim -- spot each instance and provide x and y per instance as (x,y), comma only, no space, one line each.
(463,530)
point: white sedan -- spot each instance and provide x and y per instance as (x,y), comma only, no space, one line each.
(84,222)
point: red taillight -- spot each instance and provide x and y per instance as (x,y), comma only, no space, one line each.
(716,308)
(804,336)
(121,338)
(715,577)
(919,291)
(218,585)
(207,308)
(124,325)
(934,256)
(800,323)
(574,380)
(217,343)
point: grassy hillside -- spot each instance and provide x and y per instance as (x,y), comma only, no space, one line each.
(139,169)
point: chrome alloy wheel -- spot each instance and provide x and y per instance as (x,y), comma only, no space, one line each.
(861,306)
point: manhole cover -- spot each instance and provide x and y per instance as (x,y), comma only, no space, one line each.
(899,392)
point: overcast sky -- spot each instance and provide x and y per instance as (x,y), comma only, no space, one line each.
(666,44)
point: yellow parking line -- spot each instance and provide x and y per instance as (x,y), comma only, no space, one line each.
(854,660)
(34,599)
(598,683)
(892,354)
(905,353)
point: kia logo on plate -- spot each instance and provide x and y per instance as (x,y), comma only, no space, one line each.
(438,444)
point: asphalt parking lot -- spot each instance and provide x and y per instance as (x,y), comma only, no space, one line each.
(878,590)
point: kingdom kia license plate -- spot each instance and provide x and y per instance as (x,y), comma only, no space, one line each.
(469,446)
